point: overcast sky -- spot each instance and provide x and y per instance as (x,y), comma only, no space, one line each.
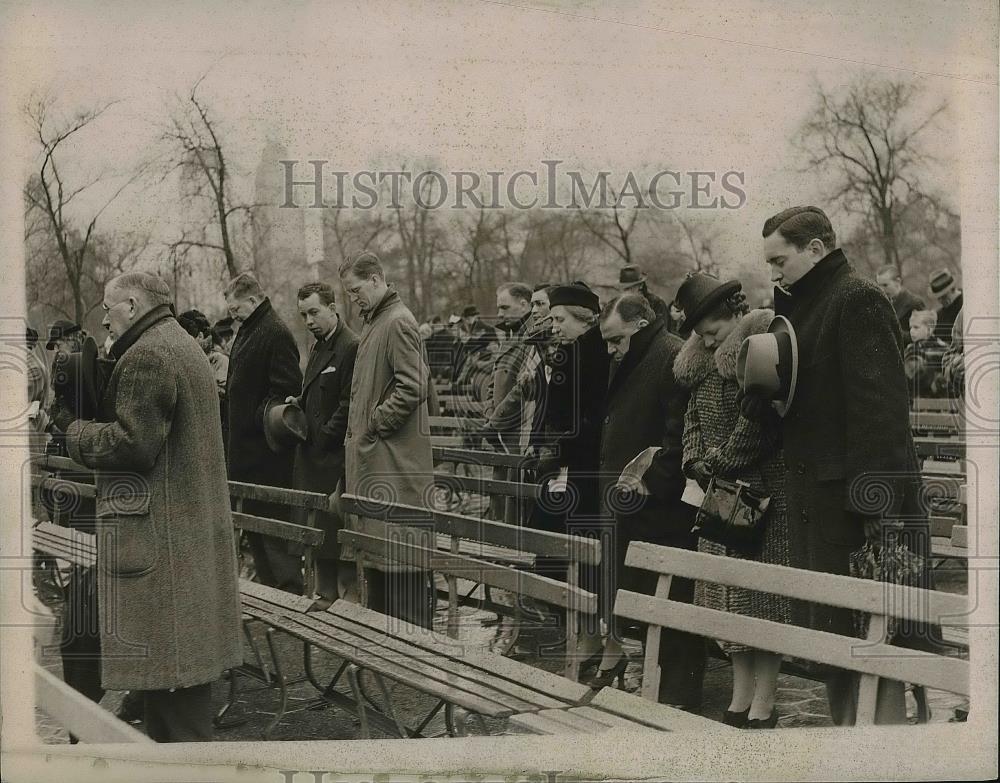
(484,85)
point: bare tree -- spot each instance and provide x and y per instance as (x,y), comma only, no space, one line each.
(420,241)
(201,160)
(868,138)
(613,229)
(49,196)
(698,246)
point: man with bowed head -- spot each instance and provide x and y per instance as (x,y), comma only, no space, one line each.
(847,431)
(388,445)
(167,582)
(263,370)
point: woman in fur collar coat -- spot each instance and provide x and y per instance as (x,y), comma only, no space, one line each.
(734,439)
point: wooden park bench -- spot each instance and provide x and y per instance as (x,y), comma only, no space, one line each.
(385,531)
(872,657)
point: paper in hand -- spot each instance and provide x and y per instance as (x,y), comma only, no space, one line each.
(631,477)
(693,493)
(559,484)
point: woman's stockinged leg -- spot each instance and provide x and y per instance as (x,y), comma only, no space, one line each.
(743,681)
(766,666)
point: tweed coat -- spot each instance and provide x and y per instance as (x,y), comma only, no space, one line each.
(326,399)
(849,452)
(388,444)
(263,366)
(508,361)
(167,574)
(735,448)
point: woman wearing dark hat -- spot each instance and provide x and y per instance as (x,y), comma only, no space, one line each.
(735,438)
(574,416)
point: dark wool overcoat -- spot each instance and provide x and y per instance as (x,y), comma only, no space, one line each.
(167,576)
(848,449)
(326,400)
(574,417)
(263,366)
(645,407)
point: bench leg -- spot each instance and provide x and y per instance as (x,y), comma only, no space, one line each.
(390,709)
(418,732)
(352,678)
(219,721)
(279,677)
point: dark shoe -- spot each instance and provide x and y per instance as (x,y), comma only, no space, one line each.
(320,605)
(737,720)
(606,677)
(764,723)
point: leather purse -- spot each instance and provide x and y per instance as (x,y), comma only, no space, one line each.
(732,514)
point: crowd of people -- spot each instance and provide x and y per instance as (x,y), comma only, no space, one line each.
(583,387)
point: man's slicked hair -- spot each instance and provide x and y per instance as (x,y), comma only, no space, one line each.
(243,286)
(517,291)
(800,225)
(889,269)
(324,290)
(363,266)
(144,286)
(631,308)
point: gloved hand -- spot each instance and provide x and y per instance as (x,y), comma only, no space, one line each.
(700,471)
(751,406)
(62,417)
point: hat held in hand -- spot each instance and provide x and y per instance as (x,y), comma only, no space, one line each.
(768,364)
(285,425)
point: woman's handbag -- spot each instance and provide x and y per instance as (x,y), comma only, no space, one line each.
(732,514)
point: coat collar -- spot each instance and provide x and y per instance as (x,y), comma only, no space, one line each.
(256,316)
(695,362)
(638,347)
(390,298)
(128,339)
(811,282)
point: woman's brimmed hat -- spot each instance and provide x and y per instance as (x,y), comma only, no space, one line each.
(574,295)
(698,295)
(768,364)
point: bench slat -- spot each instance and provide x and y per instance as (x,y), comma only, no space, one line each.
(553,684)
(478,457)
(451,671)
(295,498)
(368,658)
(575,721)
(609,719)
(660,716)
(79,715)
(482,486)
(883,660)
(289,531)
(538,542)
(55,484)
(543,724)
(542,588)
(833,589)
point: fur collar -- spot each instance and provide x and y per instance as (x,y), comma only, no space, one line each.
(694,361)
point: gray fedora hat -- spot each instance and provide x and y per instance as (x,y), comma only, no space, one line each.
(768,364)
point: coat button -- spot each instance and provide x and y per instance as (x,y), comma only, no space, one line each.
(607,419)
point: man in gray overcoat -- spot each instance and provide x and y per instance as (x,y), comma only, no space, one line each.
(167,575)
(388,445)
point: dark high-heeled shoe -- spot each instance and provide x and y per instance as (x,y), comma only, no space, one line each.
(606,677)
(764,723)
(738,720)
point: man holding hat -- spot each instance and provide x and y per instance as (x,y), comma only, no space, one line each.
(632,280)
(325,401)
(949,296)
(851,464)
(263,370)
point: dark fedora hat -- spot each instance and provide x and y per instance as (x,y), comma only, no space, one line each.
(60,329)
(698,294)
(285,425)
(768,364)
(630,276)
(469,310)
(78,380)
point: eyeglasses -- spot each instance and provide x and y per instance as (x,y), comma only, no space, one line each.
(109,309)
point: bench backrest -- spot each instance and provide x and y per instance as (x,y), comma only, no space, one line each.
(872,657)
(407,534)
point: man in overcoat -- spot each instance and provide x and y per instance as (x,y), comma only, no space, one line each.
(645,408)
(263,368)
(388,444)
(326,400)
(167,576)
(852,471)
